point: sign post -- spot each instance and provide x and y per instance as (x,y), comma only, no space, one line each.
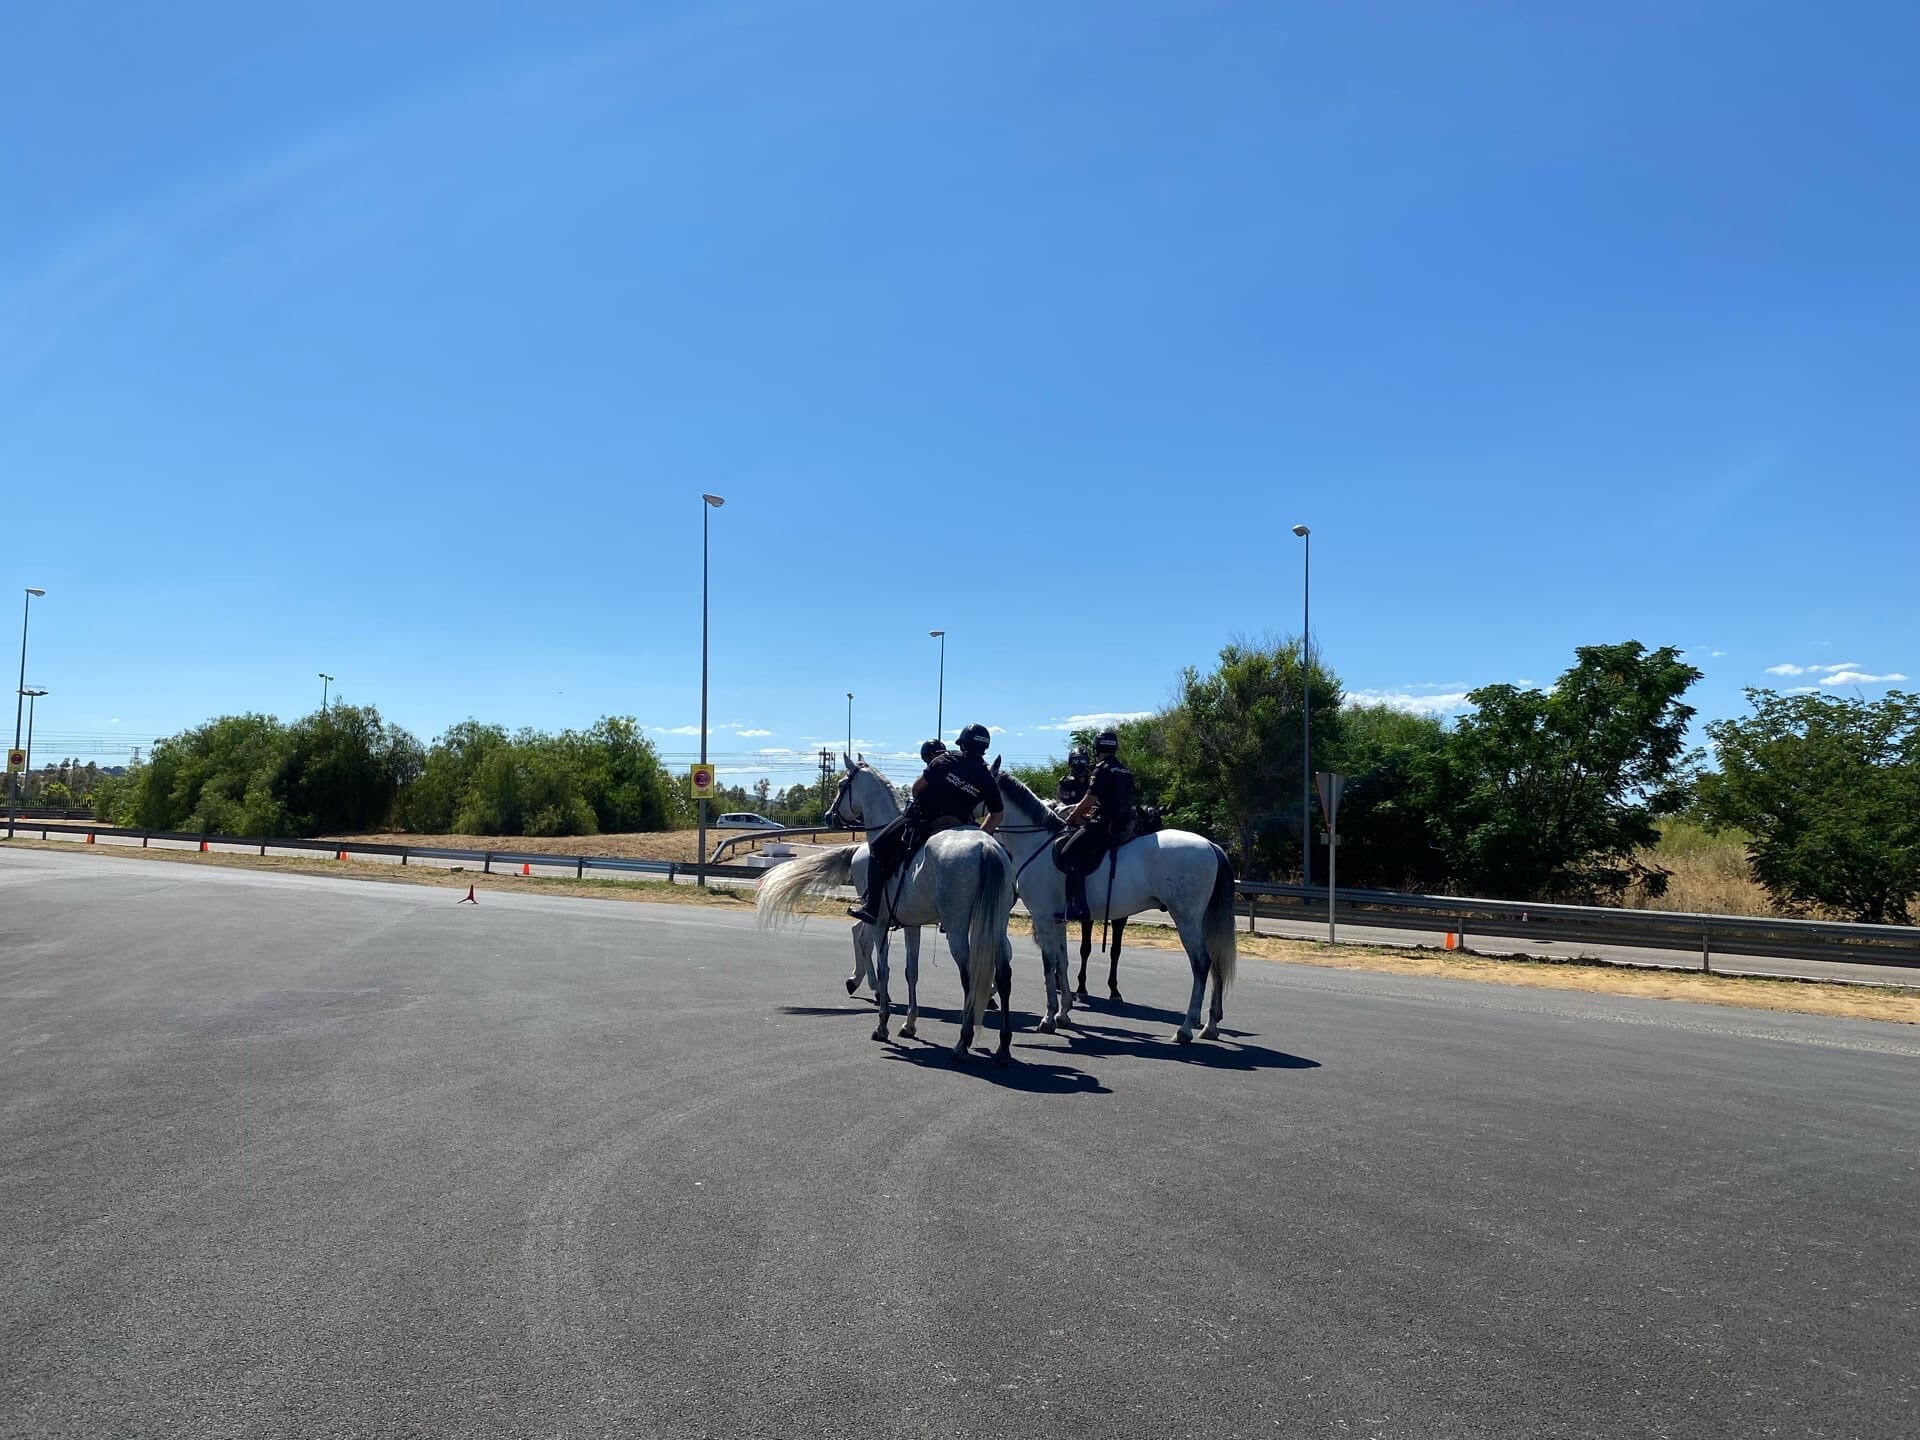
(700,784)
(1330,785)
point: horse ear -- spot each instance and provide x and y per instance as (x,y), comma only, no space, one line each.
(851,767)
(996,767)
(863,757)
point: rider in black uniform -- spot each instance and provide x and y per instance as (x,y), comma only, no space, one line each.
(1073,785)
(953,786)
(1104,818)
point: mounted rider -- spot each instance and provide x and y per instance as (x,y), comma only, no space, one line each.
(955,784)
(1101,821)
(1073,785)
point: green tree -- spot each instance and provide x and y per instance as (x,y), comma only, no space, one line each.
(1828,788)
(217,777)
(1554,794)
(1396,769)
(621,777)
(1226,759)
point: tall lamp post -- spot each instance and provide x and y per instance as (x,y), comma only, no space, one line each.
(709,502)
(940,712)
(32,695)
(13,784)
(325,681)
(1306,706)
(849,725)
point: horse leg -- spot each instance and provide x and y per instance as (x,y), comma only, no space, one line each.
(862,958)
(1051,936)
(1113,971)
(1086,949)
(880,997)
(1003,982)
(957,943)
(1193,940)
(913,982)
(1216,1012)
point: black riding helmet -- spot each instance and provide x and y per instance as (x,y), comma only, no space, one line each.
(1077,759)
(1106,743)
(974,740)
(931,749)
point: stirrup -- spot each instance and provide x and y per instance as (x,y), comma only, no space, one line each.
(863,914)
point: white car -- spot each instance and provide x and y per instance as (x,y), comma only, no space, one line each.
(744,820)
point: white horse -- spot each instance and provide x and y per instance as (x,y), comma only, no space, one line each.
(1186,873)
(875,806)
(960,879)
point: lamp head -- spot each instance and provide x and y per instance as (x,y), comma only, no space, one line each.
(714,500)
(1302,531)
(34,590)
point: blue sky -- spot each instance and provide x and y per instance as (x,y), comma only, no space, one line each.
(399,341)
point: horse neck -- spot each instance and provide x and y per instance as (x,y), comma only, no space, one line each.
(878,808)
(1022,833)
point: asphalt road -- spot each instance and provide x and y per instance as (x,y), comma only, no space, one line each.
(283,1155)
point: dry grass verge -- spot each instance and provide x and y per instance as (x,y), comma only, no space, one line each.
(1809,997)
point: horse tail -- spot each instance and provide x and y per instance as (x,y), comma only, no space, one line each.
(1217,924)
(782,888)
(987,925)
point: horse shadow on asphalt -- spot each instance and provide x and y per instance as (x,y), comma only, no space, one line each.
(1232,1051)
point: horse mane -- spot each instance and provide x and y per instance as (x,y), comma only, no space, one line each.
(1033,810)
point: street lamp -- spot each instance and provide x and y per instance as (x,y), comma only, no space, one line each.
(940,714)
(1306,708)
(849,725)
(712,502)
(325,681)
(32,695)
(13,785)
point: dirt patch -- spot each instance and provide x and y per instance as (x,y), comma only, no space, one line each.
(1900,1004)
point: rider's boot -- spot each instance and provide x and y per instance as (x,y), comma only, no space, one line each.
(1076,900)
(867,910)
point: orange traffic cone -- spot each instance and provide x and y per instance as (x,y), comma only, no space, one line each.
(1451,942)
(341,856)
(89,837)
(470,900)
(525,868)
(203,847)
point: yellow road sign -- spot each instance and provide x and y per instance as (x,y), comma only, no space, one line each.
(16,760)
(701,778)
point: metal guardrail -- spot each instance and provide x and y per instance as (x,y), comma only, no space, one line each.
(1670,930)
(487,859)
(754,837)
(1674,931)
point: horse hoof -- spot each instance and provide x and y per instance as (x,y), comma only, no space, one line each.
(1046,1026)
(853,983)
(1082,996)
(880,1032)
(907,1031)
(959,1054)
(1003,1056)
(1183,1037)
(1114,996)
(992,1004)
(1212,1032)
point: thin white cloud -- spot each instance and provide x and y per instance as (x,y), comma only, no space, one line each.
(776,750)
(1843,665)
(752,734)
(1088,722)
(1786,669)
(1414,704)
(1803,690)
(673,729)
(1861,677)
